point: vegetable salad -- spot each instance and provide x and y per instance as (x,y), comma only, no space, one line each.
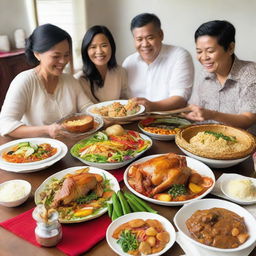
(103,148)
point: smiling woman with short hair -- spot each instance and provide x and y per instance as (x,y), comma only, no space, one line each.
(227,88)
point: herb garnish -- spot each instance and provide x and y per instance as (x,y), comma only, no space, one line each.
(87,198)
(128,241)
(221,135)
(177,190)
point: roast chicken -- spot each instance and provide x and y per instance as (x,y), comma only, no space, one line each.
(159,174)
(76,186)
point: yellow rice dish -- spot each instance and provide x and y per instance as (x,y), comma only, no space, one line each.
(212,143)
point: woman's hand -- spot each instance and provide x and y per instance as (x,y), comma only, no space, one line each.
(143,101)
(199,114)
(54,130)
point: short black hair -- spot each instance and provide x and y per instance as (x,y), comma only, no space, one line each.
(144,19)
(223,30)
(90,71)
(42,39)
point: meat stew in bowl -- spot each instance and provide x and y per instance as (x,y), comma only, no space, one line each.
(218,227)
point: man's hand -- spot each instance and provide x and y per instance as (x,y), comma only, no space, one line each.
(143,101)
(199,114)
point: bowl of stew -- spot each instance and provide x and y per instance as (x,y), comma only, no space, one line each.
(216,225)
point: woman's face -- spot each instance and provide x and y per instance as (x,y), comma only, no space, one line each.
(53,61)
(99,50)
(212,56)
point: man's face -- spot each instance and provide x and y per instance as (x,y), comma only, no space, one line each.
(148,41)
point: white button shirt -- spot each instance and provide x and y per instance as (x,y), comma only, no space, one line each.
(170,74)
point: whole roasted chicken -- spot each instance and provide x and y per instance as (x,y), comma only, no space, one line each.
(76,186)
(158,174)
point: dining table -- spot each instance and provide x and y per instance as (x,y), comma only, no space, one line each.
(12,245)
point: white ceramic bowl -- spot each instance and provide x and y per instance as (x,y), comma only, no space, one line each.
(19,183)
(187,210)
(224,189)
(112,242)
(176,120)
(8,146)
(214,162)
(113,166)
(194,164)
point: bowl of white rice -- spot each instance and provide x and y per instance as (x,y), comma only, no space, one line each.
(14,192)
(240,190)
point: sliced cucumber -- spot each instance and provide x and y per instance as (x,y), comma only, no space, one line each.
(34,146)
(29,151)
(23,144)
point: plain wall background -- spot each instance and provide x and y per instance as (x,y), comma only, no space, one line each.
(180,19)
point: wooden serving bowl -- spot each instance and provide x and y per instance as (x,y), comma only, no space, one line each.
(79,123)
(243,137)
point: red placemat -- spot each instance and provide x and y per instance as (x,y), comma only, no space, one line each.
(77,238)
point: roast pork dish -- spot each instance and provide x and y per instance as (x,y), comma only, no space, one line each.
(218,227)
(77,195)
(167,178)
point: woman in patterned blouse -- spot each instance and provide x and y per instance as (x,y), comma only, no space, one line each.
(226,91)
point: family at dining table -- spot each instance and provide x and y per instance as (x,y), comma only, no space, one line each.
(157,75)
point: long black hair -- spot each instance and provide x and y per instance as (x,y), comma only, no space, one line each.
(43,39)
(90,72)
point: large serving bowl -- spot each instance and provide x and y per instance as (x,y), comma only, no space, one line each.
(194,164)
(187,210)
(107,165)
(114,185)
(212,155)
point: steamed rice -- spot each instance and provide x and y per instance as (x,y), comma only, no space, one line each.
(242,189)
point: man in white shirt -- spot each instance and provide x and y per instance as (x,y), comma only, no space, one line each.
(159,76)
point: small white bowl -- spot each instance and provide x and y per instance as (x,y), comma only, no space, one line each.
(224,189)
(112,242)
(20,200)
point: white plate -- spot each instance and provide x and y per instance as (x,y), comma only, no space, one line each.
(112,166)
(113,182)
(106,103)
(214,162)
(97,119)
(112,242)
(187,210)
(162,136)
(194,164)
(224,183)
(36,167)
(8,146)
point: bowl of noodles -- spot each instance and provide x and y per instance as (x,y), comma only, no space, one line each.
(216,144)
